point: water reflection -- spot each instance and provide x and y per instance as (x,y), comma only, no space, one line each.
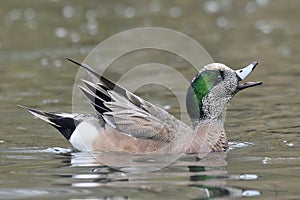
(200,178)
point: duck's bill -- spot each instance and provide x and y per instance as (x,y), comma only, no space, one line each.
(243,73)
(248,85)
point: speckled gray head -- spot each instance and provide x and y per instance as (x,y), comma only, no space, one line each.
(213,87)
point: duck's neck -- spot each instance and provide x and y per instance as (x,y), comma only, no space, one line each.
(202,109)
(206,119)
(204,112)
(209,136)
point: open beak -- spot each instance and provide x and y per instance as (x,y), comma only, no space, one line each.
(243,73)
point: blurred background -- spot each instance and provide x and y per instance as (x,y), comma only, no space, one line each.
(262,123)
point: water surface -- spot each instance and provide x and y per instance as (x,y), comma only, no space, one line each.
(262,123)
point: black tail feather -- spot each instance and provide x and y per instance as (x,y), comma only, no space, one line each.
(64,124)
(107,83)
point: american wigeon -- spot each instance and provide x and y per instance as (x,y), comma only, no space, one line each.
(126,122)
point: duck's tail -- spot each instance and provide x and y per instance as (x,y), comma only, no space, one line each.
(64,122)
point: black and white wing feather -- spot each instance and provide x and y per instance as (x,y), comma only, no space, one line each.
(129,113)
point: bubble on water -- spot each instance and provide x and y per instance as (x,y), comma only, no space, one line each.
(222,22)
(92,27)
(68,12)
(129,12)
(75,37)
(264,27)
(44,61)
(13,15)
(250,7)
(155,6)
(212,6)
(175,12)
(60,32)
(57,63)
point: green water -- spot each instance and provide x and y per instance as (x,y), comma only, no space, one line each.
(262,123)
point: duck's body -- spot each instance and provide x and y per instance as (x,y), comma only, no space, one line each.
(125,122)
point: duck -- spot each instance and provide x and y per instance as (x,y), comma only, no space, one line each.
(124,122)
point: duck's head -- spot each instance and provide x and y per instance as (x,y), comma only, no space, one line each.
(213,87)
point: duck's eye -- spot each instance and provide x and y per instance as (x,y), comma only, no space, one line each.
(220,76)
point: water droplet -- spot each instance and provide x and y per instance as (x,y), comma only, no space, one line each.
(129,12)
(60,32)
(264,27)
(211,7)
(175,12)
(57,63)
(44,61)
(75,37)
(68,12)
(222,22)
(13,15)
(92,27)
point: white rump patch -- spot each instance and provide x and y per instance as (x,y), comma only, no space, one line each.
(83,137)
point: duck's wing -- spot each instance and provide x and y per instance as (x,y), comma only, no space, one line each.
(129,113)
